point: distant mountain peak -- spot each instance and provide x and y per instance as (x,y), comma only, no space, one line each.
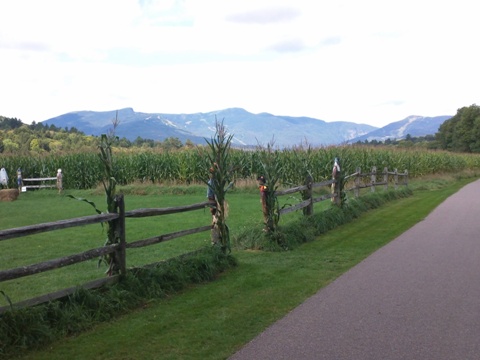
(414,125)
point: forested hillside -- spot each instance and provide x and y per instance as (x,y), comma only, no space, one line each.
(22,139)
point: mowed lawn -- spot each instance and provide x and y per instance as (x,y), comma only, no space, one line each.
(212,321)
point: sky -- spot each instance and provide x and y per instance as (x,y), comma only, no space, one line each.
(371,61)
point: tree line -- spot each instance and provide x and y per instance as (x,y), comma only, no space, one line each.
(37,138)
(426,142)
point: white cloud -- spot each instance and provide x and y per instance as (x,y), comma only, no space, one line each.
(372,61)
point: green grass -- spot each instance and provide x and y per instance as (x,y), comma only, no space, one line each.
(213,320)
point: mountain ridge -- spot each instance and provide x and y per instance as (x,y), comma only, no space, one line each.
(248,129)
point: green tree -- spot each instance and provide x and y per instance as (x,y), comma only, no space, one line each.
(124,143)
(189,144)
(9,123)
(35,146)
(461,132)
(10,146)
(172,143)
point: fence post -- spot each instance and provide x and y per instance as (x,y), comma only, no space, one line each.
(357,181)
(373,178)
(405,179)
(336,186)
(395,178)
(308,195)
(385,178)
(120,256)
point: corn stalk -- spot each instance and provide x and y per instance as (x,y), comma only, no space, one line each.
(218,156)
(109,184)
(273,172)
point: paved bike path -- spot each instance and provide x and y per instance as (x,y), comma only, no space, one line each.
(418,297)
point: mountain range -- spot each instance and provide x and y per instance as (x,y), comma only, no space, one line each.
(247,129)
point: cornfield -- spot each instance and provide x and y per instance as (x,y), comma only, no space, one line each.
(84,170)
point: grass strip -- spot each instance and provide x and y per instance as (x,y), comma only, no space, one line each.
(213,320)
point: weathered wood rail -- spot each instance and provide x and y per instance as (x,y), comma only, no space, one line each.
(118,220)
(41,183)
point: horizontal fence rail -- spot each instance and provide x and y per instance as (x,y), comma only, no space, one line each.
(56,263)
(164,211)
(94,284)
(166,237)
(55,225)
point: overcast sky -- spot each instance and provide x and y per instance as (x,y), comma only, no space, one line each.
(369,61)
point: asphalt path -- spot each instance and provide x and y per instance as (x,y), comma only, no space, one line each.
(418,297)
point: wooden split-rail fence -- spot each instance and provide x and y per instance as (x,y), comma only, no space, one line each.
(371,180)
(117,219)
(374,179)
